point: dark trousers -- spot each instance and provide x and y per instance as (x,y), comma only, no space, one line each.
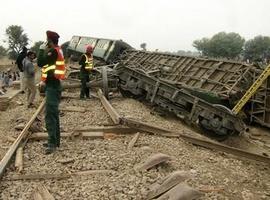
(84,89)
(53,96)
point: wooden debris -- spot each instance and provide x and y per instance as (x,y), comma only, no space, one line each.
(181,192)
(19,127)
(19,103)
(37,196)
(66,161)
(84,135)
(168,182)
(211,189)
(110,136)
(57,176)
(42,193)
(2,92)
(108,107)
(44,136)
(133,141)
(153,160)
(106,129)
(19,160)
(92,135)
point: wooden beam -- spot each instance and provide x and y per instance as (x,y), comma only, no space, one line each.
(23,135)
(106,129)
(133,141)
(110,110)
(19,159)
(42,193)
(84,135)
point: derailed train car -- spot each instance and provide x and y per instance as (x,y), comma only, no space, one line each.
(200,91)
(105,50)
(218,82)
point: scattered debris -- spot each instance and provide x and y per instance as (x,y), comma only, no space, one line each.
(181,192)
(19,160)
(133,141)
(153,160)
(168,182)
(42,193)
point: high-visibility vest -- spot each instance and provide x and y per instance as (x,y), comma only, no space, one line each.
(58,67)
(89,62)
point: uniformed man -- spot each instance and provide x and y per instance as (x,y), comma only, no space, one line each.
(53,71)
(86,63)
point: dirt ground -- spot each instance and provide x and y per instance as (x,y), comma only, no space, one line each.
(236,178)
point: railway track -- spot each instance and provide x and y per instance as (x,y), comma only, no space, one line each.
(121,127)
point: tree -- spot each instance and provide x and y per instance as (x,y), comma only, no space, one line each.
(226,45)
(202,46)
(3,51)
(143,46)
(257,49)
(16,40)
(35,47)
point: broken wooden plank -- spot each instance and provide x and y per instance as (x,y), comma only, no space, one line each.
(110,110)
(42,193)
(46,195)
(84,135)
(106,129)
(37,196)
(92,135)
(23,135)
(57,176)
(152,161)
(133,141)
(19,159)
(44,135)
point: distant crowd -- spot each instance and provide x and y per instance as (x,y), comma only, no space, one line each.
(7,78)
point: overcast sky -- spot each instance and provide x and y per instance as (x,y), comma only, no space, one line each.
(167,25)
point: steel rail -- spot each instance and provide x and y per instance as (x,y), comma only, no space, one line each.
(23,135)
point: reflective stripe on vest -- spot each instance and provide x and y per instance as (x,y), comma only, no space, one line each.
(59,67)
(88,62)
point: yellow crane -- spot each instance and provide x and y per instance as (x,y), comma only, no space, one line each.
(252,90)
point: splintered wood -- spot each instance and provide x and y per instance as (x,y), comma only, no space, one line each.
(19,160)
(42,193)
(133,141)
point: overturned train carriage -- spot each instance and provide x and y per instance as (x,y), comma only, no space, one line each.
(215,81)
(193,110)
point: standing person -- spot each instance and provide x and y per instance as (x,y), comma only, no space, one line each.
(19,60)
(53,72)
(86,63)
(29,78)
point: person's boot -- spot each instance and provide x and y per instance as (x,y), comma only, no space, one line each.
(50,149)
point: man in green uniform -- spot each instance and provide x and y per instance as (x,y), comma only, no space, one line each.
(86,63)
(53,71)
